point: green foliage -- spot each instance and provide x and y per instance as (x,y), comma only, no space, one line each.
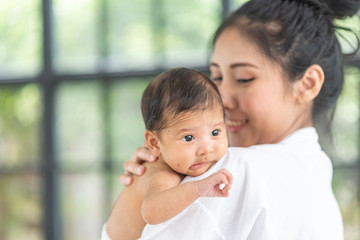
(346,120)
(20,39)
(20,116)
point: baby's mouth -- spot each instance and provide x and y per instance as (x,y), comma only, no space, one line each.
(200,164)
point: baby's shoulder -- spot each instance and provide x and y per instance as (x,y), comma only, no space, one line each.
(160,171)
(158,168)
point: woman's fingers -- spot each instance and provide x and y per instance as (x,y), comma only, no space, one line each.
(143,154)
(134,165)
(133,168)
(126,179)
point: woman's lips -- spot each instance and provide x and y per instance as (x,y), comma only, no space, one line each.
(235,125)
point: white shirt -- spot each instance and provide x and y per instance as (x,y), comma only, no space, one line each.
(280,191)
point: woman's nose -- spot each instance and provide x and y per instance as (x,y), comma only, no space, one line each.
(228,94)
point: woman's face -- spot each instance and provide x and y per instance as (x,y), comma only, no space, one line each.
(260,105)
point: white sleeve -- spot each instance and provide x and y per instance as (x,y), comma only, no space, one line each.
(104,234)
(195,222)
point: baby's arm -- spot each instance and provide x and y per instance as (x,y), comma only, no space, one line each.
(165,198)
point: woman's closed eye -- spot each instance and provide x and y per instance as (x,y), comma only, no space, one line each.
(239,80)
(244,80)
(216,79)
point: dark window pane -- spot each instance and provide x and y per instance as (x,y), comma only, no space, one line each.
(82,201)
(345,185)
(21,207)
(127,127)
(20,116)
(76,40)
(20,41)
(79,124)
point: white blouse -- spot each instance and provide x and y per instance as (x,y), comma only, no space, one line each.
(279,191)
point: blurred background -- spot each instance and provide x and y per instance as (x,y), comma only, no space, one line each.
(71,78)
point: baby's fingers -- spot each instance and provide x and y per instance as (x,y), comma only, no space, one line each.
(226,187)
(223,190)
(227,174)
(226,181)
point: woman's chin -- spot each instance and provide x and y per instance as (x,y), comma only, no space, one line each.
(238,141)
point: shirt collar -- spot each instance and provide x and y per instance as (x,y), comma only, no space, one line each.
(308,135)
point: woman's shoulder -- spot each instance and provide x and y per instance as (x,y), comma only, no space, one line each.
(252,155)
(256,150)
(295,146)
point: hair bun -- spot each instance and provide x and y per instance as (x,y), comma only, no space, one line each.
(335,8)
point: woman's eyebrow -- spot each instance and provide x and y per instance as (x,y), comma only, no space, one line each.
(243,64)
(234,65)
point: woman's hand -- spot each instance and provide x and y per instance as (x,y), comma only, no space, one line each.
(134,165)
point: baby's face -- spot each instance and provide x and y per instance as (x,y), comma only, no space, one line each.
(194,141)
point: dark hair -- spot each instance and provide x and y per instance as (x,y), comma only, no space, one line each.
(176,91)
(297,34)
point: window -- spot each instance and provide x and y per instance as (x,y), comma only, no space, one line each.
(71,78)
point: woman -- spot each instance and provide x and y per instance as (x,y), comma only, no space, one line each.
(278,66)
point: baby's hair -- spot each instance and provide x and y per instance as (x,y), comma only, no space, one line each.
(178,90)
(297,34)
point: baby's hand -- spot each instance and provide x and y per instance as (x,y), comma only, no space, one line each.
(216,185)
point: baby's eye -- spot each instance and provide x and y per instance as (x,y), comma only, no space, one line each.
(215,132)
(188,138)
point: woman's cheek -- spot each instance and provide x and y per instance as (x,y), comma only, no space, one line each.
(251,105)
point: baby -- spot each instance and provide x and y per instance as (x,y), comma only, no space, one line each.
(184,119)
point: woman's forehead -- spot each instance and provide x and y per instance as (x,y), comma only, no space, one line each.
(234,48)
(232,45)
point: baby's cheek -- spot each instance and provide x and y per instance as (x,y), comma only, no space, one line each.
(182,166)
(224,148)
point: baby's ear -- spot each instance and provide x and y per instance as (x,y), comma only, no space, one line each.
(152,141)
(309,86)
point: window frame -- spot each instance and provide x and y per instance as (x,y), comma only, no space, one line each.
(48,81)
